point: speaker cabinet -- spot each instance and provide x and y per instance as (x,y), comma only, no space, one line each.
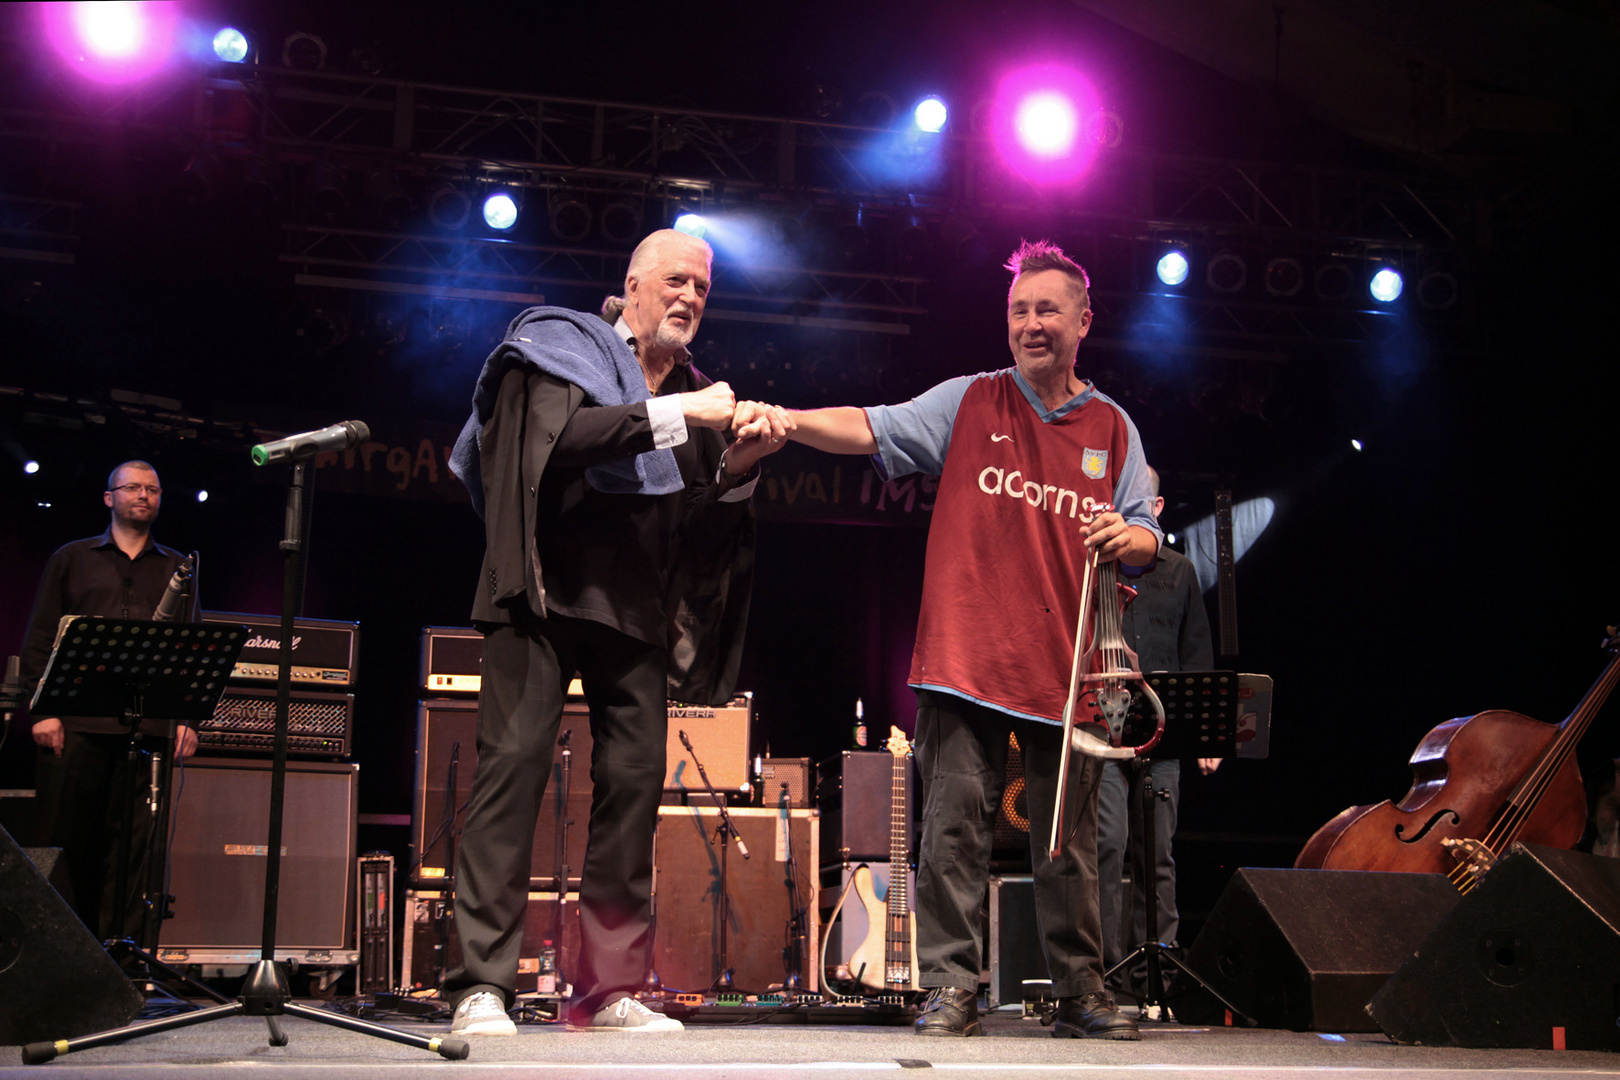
(446,726)
(1307,949)
(686,887)
(1530,957)
(217,863)
(56,980)
(1014,940)
(432,949)
(857,792)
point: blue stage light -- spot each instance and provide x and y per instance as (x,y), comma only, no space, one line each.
(30,467)
(1173,268)
(231,45)
(1355,444)
(500,212)
(930,114)
(1386,285)
(692,225)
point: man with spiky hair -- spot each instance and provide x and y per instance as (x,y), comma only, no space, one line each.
(85,781)
(1028,458)
(618,545)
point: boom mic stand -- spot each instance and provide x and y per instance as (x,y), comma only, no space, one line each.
(265,993)
(725,831)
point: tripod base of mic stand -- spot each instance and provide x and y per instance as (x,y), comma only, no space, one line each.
(264,994)
(1155,953)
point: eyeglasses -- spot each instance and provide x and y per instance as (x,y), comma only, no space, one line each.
(136,489)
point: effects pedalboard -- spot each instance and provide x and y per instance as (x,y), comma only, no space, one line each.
(789,1007)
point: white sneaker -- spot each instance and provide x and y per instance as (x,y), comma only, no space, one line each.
(627,1014)
(482,1014)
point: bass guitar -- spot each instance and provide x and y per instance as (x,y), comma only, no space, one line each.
(886,961)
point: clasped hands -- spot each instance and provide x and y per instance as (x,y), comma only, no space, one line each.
(760,429)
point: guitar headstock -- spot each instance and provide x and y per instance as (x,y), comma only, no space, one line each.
(1612,642)
(898,744)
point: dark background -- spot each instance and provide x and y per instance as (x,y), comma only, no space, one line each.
(1463,561)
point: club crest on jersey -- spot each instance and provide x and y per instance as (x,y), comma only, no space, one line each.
(1094,463)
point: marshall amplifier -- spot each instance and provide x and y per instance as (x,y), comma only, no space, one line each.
(323,650)
(318,725)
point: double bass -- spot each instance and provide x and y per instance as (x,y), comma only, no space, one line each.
(1480,783)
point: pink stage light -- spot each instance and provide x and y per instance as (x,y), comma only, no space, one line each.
(113,42)
(1038,123)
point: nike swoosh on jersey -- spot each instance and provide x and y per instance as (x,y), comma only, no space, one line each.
(1000,438)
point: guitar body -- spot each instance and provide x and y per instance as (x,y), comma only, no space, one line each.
(866,962)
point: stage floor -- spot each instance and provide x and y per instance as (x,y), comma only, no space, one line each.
(1015,1047)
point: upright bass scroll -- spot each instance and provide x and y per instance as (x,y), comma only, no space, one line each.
(1100,681)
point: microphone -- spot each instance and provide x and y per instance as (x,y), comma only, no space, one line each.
(307,444)
(168,609)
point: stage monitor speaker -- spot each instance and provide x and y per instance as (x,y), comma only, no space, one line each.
(431,948)
(1307,949)
(445,724)
(1530,957)
(686,884)
(217,860)
(56,980)
(856,792)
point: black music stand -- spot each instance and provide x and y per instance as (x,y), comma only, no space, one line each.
(265,992)
(1204,717)
(134,669)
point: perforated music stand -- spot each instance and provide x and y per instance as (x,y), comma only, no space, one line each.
(1207,714)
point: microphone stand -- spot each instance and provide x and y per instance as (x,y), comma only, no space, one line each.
(726,830)
(265,992)
(446,905)
(793,955)
(559,859)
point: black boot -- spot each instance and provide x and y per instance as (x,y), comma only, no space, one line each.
(950,1010)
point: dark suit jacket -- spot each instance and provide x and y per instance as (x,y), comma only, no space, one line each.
(712,567)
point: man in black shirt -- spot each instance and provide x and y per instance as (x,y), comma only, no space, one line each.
(618,544)
(85,783)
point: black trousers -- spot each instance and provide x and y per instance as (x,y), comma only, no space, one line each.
(526,669)
(84,800)
(961,761)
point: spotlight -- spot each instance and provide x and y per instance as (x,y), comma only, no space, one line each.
(261,182)
(930,114)
(1437,290)
(1355,444)
(621,221)
(570,219)
(500,211)
(30,467)
(230,45)
(1333,281)
(448,206)
(326,190)
(1172,268)
(202,496)
(389,200)
(303,51)
(1285,276)
(112,42)
(1047,124)
(1169,538)
(873,110)
(692,225)
(1227,273)
(1386,285)
(114,31)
